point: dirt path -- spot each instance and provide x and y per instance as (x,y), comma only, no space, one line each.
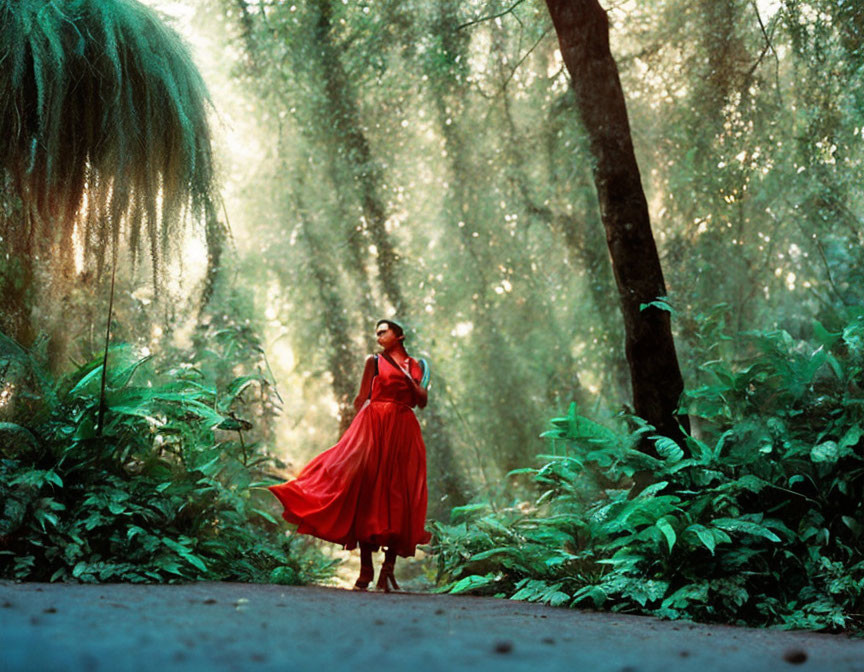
(250,627)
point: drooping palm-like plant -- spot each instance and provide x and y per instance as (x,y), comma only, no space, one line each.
(104,137)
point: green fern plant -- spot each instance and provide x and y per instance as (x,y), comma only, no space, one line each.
(101,101)
(167,492)
(757,521)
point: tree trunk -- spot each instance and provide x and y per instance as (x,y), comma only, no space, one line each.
(511,433)
(341,361)
(583,34)
(216,236)
(17,290)
(447,486)
(337,133)
(343,117)
(583,237)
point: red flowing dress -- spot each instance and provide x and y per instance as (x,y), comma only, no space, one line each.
(371,486)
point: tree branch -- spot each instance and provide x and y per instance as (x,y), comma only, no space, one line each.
(493,16)
(527,54)
(768,45)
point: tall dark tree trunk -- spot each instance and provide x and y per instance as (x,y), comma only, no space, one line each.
(336,130)
(216,236)
(513,434)
(583,34)
(343,118)
(17,289)
(341,361)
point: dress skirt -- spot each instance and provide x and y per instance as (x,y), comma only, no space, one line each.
(370,487)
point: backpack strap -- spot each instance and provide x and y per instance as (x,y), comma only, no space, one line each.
(427,373)
(422,363)
(390,360)
(373,376)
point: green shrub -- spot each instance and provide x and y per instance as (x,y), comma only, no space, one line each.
(757,520)
(171,490)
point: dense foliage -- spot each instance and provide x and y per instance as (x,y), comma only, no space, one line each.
(757,521)
(106,139)
(430,142)
(426,157)
(101,103)
(169,491)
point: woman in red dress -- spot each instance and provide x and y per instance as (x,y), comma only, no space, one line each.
(370,488)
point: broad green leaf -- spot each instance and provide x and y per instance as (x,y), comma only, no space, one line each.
(718,449)
(668,531)
(212,467)
(750,482)
(471,582)
(667,448)
(459,512)
(121,378)
(661,302)
(86,380)
(682,597)
(133,530)
(42,516)
(825,337)
(556,598)
(169,565)
(595,593)
(195,560)
(265,515)
(851,437)
(699,449)
(705,535)
(827,451)
(652,489)
(174,545)
(745,526)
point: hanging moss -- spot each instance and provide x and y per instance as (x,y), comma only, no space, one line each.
(103,120)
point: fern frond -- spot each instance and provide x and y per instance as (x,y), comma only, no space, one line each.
(100,104)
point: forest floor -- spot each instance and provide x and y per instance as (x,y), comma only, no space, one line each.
(250,627)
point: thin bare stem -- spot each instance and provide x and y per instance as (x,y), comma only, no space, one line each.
(509,10)
(101,418)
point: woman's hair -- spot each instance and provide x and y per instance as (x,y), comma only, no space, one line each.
(395,326)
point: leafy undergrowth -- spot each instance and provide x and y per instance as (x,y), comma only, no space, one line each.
(168,491)
(758,521)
